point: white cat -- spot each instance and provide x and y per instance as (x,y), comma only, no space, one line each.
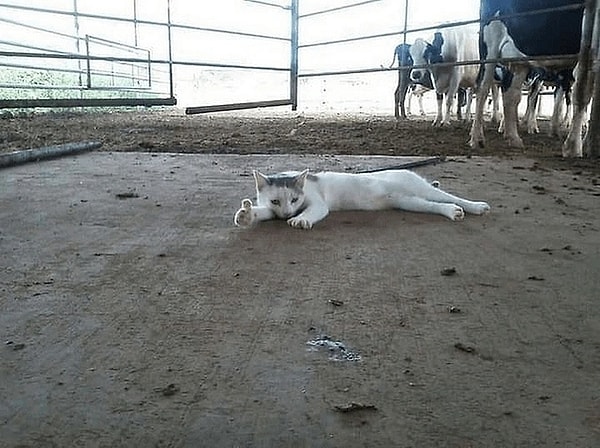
(304,199)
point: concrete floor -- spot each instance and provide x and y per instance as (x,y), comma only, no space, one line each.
(133,312)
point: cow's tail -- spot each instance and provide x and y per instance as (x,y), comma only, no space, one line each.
(394,58)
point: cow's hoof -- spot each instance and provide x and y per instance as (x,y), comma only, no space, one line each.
(516,143)
(477,143)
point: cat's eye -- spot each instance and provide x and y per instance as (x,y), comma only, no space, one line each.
(294,200)
(275,201)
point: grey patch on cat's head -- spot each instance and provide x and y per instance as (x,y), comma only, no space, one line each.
(281,180)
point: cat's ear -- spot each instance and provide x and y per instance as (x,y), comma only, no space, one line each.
(300,179)
(260,179)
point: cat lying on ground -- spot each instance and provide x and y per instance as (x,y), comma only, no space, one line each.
(304,199)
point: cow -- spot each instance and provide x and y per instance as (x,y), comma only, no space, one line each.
(405,84)
(547,33)
(449,45)
(562,82)
(586,88)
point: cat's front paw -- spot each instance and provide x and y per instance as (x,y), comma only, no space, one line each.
(455,212)
(459,214)
(244,217)
(481,208)
(300,223)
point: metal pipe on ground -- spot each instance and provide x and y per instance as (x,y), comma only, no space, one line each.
(407,165)
(46,152)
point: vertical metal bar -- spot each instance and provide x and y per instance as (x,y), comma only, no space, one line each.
(77,44)
(135,24)
(171,86)
(150,70)
(294,55)
(77,40)
(135,69)
(405,20)
(88,61)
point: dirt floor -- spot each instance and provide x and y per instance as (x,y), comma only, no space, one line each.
(133,312)
(262,131)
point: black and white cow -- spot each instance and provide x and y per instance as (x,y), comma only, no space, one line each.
(547,33)
(561,81)
(405,85)
(448,45)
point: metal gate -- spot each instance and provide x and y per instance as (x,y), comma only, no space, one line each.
(68,57)
(51,61)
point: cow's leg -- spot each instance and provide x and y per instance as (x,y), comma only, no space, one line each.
(512,98)
(397,96)
(397,102)
(573,145)
(533,99)
(582,94)
(421,108)
(400,93)
(477,137)
(468,106)
(591,144)
(565,120)
(460,102)
(439,117)
(495,103)
(450,94)
(409,96)
(584,87)
(559,98)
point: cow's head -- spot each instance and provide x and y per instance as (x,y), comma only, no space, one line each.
(417,53)
(424,53)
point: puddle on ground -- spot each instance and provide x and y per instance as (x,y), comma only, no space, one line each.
(336,350)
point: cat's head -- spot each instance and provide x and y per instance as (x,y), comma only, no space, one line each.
(282,193)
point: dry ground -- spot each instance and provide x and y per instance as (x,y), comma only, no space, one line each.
(133,313)
(262,131)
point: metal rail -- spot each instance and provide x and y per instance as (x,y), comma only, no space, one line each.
(560,59)
(73,56)
(236,106)
(438,27)
(261,2)
(339,8)
(85,102)
(139,21)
